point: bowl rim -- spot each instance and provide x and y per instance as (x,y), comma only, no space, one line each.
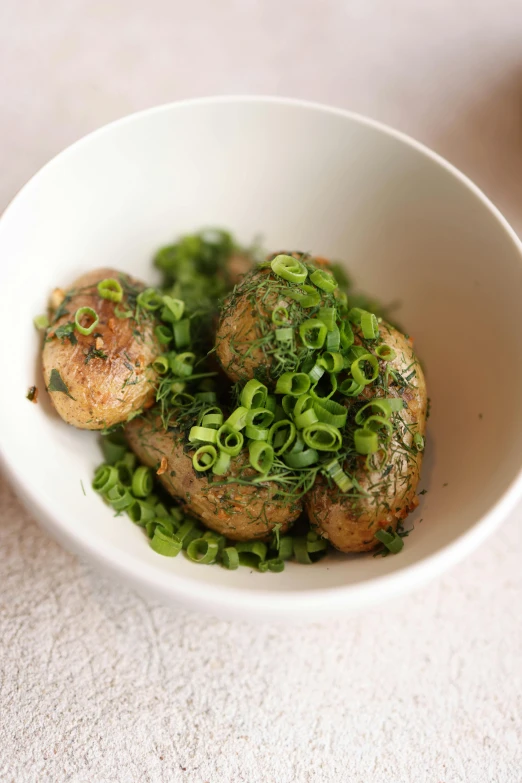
(266,604)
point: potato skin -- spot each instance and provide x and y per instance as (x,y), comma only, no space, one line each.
(239,512)
(349,523)
(102,391)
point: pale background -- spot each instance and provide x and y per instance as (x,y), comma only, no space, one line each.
(95,683)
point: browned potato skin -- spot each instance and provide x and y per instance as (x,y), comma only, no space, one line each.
(350,524)
(103,392)
(236,511)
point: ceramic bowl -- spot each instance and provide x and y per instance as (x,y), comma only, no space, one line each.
(409,227)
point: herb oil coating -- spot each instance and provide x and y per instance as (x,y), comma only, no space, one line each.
(98,380)
(241,512)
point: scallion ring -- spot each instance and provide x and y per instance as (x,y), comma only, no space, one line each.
(369,326)
(256,433)
(313,333)
(173,309)
(328,316)
(332,361)
(204,458)
(330,412)
(289,268)
(120,498)
(346,335)
(301,459)
(230,558)
(351,388)
(305,419)
(293,383)
(229,440)
(141,512)
(305,295)
(337,474)
(322,437)
(333,339)
(163,334)
(261,456)
(222,464)
(160,365)
(183,364)
(149,299)
(86,312)
(238,418)
(325,387)
(110,289)
(323,280)
(357,369)
(281,435)
(418,441)
(280,315)
(202,435)
(251,553)
(316,372)
(259,417)
(254,394)
(181,399)
(366,441)
(181,330)
(142,482)
(105,477)
(391,540)
(284,335)
(165,544)
(385,352)
(202,550)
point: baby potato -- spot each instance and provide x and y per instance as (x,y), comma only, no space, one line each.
(240,512)
(100,379)
(349,521)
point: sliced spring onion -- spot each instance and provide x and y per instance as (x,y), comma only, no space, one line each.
(301,459)
(391,541)
(281,435)
(230,558)
(306,418)
(289,268)
(114,447)
(110,289)
(316,372)
(328,316)
(105,478)
(313,333)
(418,441)
(120,498)
(275,564)
(251,553)
(237,419)
(261,456)
(188,531)
(41,322)
(181,399)
(306,295)
(202,550)
(346,335)
(204,458)
(173,309)
(285,550)
(323,280)
(284,334)
(142,482)
(141,512)
(325,387)
(351,388)
(183,364)
(271,403)
(206,396)
(366,441)
(259,417)
(163,334)
(376,423)
(369,326)
(202,435)
(332,361)
(214,420)
(86,312)
(333,339)
(301,551)
(330,412)
(337,474)
(288,404)
(222,464)
(355,314)
(121,314)
(280,315)
(164,543)
(181,330)
(149,299)
(254,394)
(256,433)
(322,437)
(160,365)
(229,440)
(358,371)
(298,445)
(293,383)
(302,404)
(385,352)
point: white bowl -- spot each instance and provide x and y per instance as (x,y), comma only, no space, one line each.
(409,226)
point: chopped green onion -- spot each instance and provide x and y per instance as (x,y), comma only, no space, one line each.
(254,394)
(256,433)
(110,289)
(306,296)
(346,335)
(202,435)
(261,456)
(289,269)
(181,330)
(325,387)
(188,531)
(333,362)
(149,299)
(358,372)
(163,334)
(271,403)
(355,314)
(237,419)
(141,512)
(119,497)
(251,553)
(293,383)
(172,309)
(204,458)
(305,419)
(259,417)
(180,399)
(323,280)
(385,352)
(302,404)
(121,314)
(337,474)
(229,440)
(286,548)
(202,550)
(301,459)
(113,447)
(366,441)
(275,564)
(322,437)
(230,558)
(313,333)
(316,372)
(160,365)
(328,316)
(142,482)
(41,322)
(222,464)
(105,477)
(298,444)
(208,396)
(212,420)
(164,543)
(333,340)
(280,315)
(376,422)
(86,312)
(330,412)
(183,364)
(281,435)
(351,388)
(301,551)
(284,334)
(288,404)
(418,441)
(391,541)
(369,326)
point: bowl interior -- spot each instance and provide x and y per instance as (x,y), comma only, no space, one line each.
(409,230)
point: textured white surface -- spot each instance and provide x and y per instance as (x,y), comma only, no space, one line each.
(96,684)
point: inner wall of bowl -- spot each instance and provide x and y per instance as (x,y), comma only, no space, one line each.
(407,229)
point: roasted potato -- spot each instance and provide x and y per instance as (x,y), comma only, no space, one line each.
(387,491)
(100,379)
(240,512)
